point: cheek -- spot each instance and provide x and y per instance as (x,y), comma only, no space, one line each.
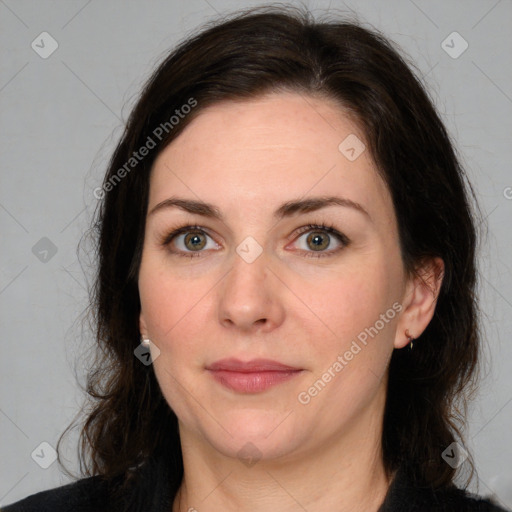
(351,360)
(358,312)
(352,302)
(174,313)
(168,302)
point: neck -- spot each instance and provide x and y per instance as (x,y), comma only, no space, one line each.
(345,473)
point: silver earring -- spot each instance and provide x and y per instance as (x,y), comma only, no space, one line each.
(410,338)
(145,341)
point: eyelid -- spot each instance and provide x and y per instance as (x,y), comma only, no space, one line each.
(172,233)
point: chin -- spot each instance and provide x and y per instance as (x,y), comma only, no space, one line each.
(255,434)
(254,448)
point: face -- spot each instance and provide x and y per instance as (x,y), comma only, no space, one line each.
(312,310)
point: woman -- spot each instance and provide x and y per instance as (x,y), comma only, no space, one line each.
(285,295)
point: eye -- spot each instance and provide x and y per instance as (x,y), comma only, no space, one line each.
(319,238)
(189,240)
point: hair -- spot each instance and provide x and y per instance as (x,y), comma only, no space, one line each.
(245,56)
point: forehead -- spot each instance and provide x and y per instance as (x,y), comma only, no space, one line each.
(256,154)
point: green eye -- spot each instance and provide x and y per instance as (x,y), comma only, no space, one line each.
(320,237)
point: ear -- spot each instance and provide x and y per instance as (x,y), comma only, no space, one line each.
(142,325)
(419,301)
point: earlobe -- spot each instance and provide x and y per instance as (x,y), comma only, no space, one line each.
(420,302)
(142,326)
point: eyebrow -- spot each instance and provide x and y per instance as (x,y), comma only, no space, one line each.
(287,209)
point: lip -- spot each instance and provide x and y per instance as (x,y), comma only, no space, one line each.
(254,365)
(254,376)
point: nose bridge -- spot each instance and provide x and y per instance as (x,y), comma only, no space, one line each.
(247,296)
(248,274)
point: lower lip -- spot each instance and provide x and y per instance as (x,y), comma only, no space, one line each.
(252,382)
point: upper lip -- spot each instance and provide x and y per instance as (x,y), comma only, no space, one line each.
(252,366)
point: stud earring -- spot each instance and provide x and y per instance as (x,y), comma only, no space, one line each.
(145,341)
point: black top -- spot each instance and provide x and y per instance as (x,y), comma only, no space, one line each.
(91,495)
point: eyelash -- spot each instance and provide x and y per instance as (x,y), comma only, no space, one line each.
(327,228)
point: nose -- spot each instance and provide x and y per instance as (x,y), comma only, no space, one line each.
(250,296)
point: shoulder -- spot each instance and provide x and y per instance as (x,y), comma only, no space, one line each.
(144,488)
(458,499)
(84,495)
(405,496)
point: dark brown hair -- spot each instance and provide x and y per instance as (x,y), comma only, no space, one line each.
(244,56)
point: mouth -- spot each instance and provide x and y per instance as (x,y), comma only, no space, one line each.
(253,376)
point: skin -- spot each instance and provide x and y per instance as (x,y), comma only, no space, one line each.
(247,158)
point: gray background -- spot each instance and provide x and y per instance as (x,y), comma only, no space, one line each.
(60,118)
